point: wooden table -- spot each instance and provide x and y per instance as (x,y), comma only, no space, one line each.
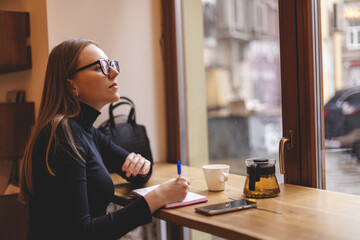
(297,213)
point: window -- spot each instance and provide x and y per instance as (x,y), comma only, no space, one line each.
(297,83)
(341,81)
(353,37)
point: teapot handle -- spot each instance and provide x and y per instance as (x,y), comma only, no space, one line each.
(254,176)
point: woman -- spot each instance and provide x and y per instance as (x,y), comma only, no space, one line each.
(65,172)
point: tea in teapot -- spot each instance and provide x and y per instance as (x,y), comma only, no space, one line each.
(261,181)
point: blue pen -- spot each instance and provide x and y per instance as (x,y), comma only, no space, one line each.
(179,168)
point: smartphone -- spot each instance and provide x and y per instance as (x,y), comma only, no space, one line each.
(226,207)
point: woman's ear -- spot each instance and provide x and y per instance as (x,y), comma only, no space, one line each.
(73,87)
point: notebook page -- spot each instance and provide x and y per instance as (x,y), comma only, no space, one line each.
(191,198)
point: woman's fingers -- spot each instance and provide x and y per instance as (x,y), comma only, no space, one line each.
(135,164)
(184,179)
(132,165)
(145,168)
(128,161)
(138,165)
(186,183)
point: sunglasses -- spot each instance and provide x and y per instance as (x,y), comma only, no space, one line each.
(104,66)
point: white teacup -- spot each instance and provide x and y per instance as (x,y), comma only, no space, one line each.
(216,176)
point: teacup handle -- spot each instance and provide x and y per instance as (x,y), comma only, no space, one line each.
(225,176)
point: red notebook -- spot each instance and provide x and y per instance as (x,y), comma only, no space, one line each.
(191,198)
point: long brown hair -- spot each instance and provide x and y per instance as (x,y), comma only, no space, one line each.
(58,103)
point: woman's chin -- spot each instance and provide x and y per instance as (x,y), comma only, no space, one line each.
(116,97)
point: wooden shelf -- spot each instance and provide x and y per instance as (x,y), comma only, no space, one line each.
(15,128)
(15,52)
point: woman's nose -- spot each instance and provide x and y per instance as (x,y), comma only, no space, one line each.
(113,73)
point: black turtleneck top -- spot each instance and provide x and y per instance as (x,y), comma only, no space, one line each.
(72,204)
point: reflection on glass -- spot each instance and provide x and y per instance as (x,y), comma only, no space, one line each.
(242,64)
(341,81)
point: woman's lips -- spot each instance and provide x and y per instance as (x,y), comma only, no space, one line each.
(114,85)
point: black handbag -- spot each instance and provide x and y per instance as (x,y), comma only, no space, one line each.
(127,134)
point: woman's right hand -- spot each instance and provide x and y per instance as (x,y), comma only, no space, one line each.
(173,190)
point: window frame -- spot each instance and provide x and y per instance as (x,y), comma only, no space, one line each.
(300,87)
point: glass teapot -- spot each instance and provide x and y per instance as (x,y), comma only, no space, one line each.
(261,181)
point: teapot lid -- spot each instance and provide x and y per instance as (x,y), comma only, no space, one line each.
(262,162)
